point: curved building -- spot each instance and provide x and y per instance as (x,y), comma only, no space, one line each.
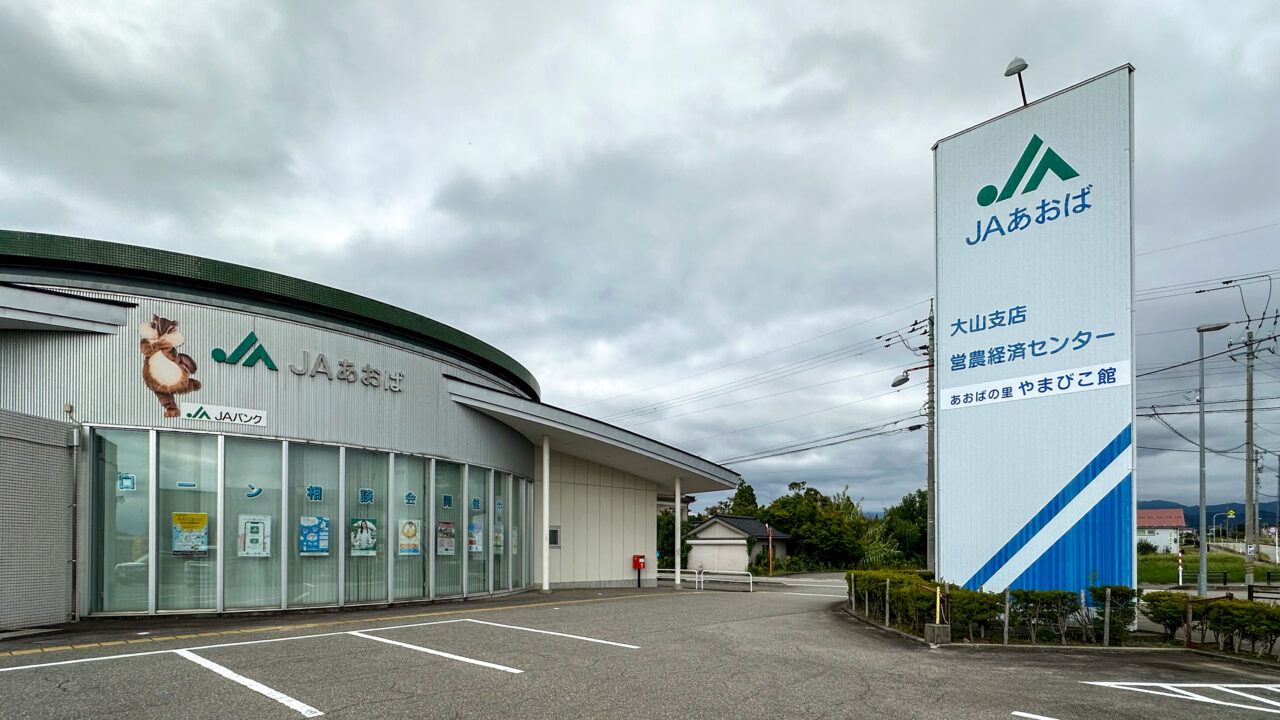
(187,435)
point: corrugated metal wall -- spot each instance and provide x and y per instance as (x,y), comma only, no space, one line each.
(102,376)
(605,516)
(36,528)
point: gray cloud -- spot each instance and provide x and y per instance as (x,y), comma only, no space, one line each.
(639,203)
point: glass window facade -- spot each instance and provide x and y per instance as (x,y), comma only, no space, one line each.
(185,522)
(411,503)
(314,542)
(251,523)
(202,522)
(477,525)
(450,535)
(121,525)
(501,528)
(367,530)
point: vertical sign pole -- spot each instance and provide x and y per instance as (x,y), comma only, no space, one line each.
(1250,517)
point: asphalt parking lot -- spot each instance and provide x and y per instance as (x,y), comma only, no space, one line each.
(780,652)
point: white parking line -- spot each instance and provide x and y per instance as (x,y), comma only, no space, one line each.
(548,632)
(326,634)
(429,651)
(1029,715)
(1183,691)
(303,708)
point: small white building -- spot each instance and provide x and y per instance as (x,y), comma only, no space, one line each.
(733,542)
(1162,528)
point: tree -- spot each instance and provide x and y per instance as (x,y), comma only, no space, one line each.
(666,539)
(743,502)
(825,531)
(908,524)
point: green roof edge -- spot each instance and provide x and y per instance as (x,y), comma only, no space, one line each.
(99,257)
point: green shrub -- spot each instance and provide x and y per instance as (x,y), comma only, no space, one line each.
(1146,547)
(1235,621)
(1044,610)
(970,609)
(911,600)
(1123,610)
(1167,609)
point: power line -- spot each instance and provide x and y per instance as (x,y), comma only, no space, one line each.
(755,357)
(797,417)
(773,395)
(779,453)
(1189,362)
(1203,240)
(876,424)
(796,367)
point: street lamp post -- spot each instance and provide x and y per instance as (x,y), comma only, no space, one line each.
(1202,578)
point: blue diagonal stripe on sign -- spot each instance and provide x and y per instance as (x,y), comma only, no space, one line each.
(1053,507)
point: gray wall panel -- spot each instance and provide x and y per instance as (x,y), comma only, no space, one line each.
(36,499)
(101,375)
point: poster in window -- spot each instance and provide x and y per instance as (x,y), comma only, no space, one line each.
(364,537)
(497,541)
(410,541)
(446,538)
(191,534)
(313,536)
(255,536)
(475,537)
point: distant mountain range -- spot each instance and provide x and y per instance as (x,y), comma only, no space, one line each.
(1266,512)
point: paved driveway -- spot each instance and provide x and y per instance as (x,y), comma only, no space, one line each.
(781,652)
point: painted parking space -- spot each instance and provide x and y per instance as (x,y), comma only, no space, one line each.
(1259,697)
(788,655)
(304,673)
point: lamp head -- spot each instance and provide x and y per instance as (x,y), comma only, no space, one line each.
(1211,327)
(900,380)
(1016,66)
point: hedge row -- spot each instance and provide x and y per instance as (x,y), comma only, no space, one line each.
(1232,622)
(1034,615)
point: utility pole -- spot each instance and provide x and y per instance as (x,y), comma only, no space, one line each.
(1250,539)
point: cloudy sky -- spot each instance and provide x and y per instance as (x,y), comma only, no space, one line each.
(691,219)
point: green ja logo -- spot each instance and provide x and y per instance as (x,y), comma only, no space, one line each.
(200,413)
(259,353)
(1050,162)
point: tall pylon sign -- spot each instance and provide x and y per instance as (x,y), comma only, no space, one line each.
(1034,337)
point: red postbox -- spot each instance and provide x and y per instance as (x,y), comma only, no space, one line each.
(637,562)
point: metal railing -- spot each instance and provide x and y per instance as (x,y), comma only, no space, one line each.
(750,579)
(700,577)
(671,574)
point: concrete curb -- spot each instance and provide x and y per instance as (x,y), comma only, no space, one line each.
(1244,660)
(844,607)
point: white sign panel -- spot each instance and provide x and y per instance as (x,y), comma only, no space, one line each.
(1034,344)
(220,413)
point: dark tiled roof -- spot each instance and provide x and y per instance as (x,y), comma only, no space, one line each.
(749,525)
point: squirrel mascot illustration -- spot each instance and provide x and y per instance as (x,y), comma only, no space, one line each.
(165,370)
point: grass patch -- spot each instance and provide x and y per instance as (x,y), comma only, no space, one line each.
(1162,568)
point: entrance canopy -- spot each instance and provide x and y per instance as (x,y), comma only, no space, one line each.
(599,442)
